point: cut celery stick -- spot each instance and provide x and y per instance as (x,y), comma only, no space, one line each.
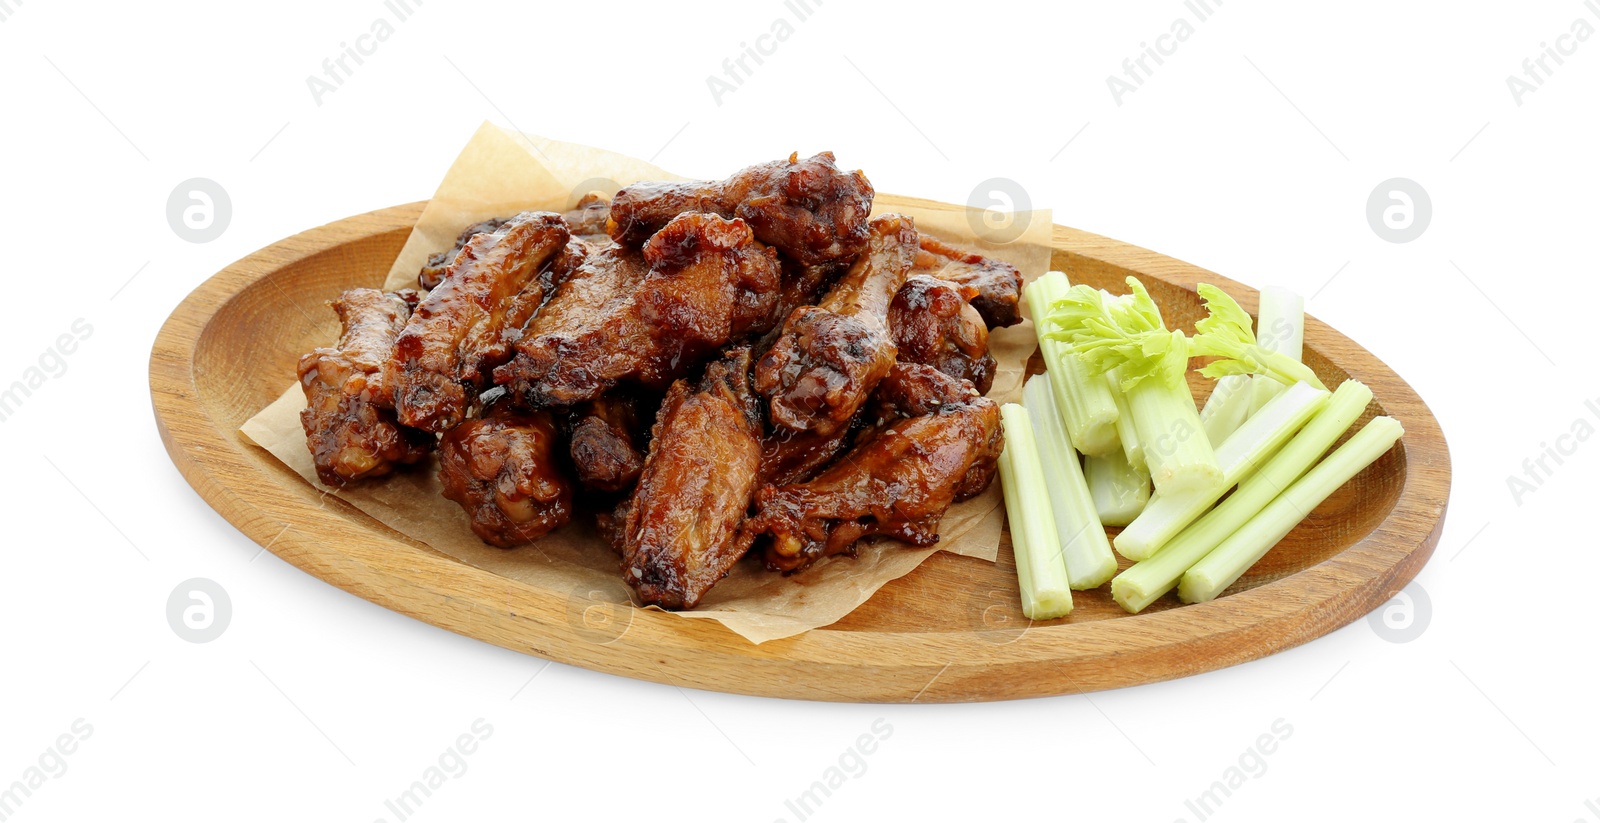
(1120,490)
(1127,432)
(1176,451)
(1081,536)
(1227,407)
(1282,324)
(1127,333)
(1217,570)
(1262,390)
(1145,581)
(1225,333)
(1083,397)
(1041,571)
(1281,328)
(1247,448)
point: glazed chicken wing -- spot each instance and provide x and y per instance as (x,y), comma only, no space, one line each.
(680,531)
(350,428)
(993,287)
(458,335)
(830,356)
(598,290)
(806,285)
(898,481)
(709,283)
(439,264)
(587,220)
(932,324)
(793,457)
(590,215)
(503,469)
(808,209)
(604,442)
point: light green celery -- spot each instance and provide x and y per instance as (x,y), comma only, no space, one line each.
(1041,572)
(1127,433)
(1280,327)
(1084,398)
(1225,333)
(1145,581)
(1228,406)
(1120,490)
(1247,448)
(1082,537)
(1176,452)
(1126,335)
(1217,571)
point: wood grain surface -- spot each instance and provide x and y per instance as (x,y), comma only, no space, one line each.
(950,631)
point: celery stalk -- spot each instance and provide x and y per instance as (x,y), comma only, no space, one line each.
(1041,571)
(1219,569)
(1176,451)
(1225,333)
(1247,448)
(1083,397)
(1127,433)
(1145,581)
(1227,407)
(1281,328)
(1081,535)
(1127,335)
(1120,490)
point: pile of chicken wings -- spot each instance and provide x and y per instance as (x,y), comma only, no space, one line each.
(707,368)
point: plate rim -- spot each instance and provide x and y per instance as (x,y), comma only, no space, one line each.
(403,575)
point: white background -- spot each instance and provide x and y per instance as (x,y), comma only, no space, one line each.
(1251,151)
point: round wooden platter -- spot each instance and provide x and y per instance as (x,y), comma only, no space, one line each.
(949,631)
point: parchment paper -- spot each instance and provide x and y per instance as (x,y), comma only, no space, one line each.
(500,173)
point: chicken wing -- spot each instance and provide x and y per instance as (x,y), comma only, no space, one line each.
(350,428)
(830,356)
(808,209)
(458,333)
(680,531)
(932,324)
(793,457)
(605,442)
(898,481)
(590,215)
(806,285)
(993,287)
(709,283)
(439,264)
(588,219)
(503,469)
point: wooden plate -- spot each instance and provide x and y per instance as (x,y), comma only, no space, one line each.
(949,631)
